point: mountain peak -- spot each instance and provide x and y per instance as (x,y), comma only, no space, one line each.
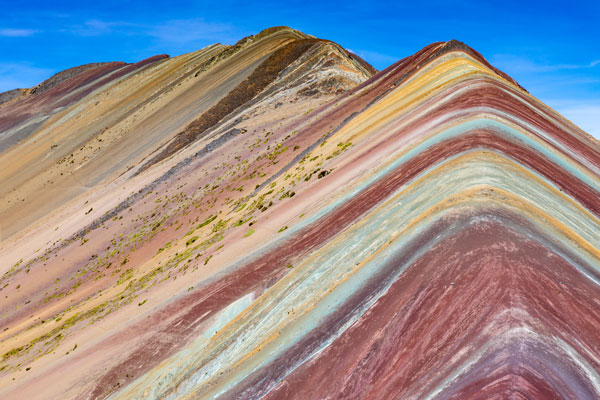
(277,219)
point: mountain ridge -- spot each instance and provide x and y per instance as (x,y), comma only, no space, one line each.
(332,232)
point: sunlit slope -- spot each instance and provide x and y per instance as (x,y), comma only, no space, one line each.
(117,125)
(461,261)
(302,73)
(431,232)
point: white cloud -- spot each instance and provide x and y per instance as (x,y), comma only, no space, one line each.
(96,27)
(587,117)
(17,32)
(21,75)
(585,114)
(514,64)
(184,31)
(378,60)
(175,35)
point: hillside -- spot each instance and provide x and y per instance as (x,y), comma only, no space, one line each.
(276,219)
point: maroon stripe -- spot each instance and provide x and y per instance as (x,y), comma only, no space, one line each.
(442,310)
(264,271)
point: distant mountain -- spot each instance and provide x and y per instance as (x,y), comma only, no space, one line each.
(277,219)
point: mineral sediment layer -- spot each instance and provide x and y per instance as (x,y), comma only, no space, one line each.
(276,219)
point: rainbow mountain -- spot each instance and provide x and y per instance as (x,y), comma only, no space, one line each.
(277,219)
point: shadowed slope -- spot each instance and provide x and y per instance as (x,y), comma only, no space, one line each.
(260,78)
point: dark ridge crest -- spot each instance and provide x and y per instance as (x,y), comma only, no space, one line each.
(63,76)
(260,78)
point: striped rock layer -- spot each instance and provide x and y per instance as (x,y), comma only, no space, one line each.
(276,220)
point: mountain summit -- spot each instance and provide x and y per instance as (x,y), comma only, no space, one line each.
(277,219)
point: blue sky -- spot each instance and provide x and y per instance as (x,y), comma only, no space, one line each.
(551,48)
